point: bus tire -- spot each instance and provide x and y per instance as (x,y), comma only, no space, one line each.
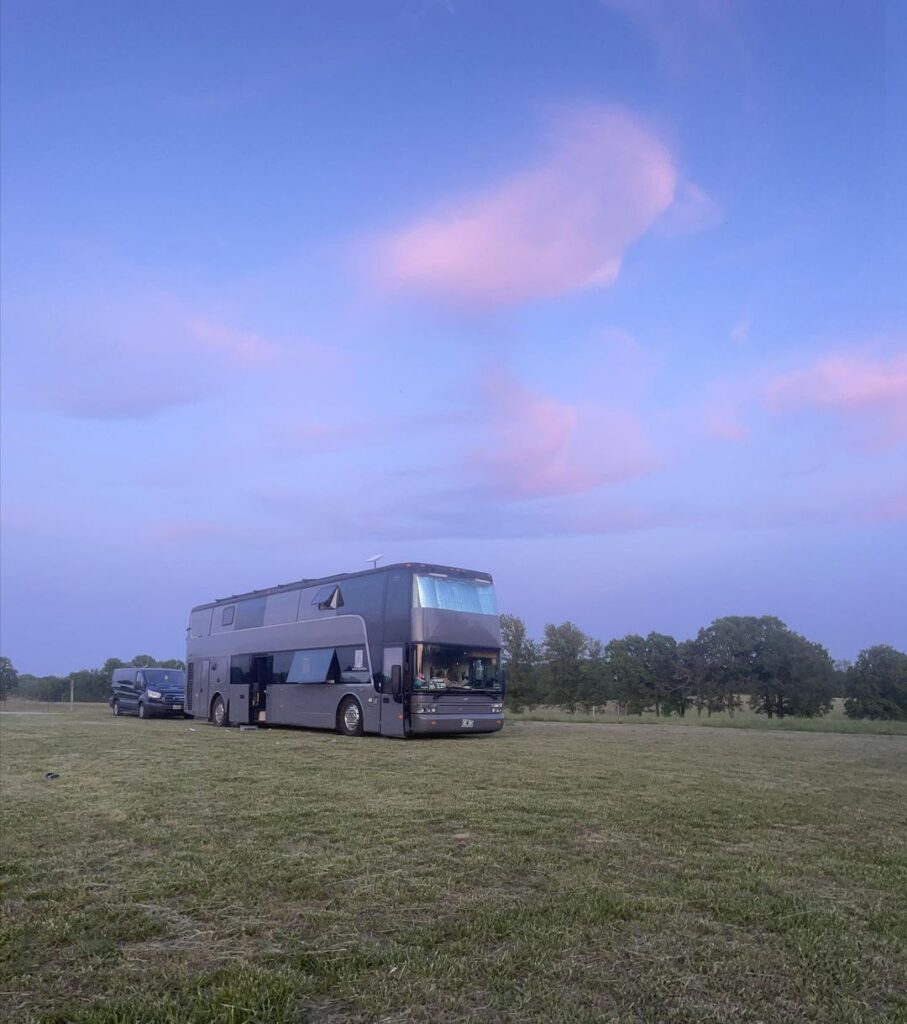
(349,717)
(219,712)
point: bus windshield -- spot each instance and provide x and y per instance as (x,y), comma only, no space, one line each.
(456,594)
(445,667)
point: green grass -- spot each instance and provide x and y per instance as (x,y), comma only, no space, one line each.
(549,873)
(745,718)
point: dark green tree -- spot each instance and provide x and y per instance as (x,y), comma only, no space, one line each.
(630,682)
(520,656)
(595,686)
(564,649)
(877,685)
(9,679)
(789,675)
(49,689)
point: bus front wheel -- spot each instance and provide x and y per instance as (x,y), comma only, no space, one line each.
(219,712)
(349,717)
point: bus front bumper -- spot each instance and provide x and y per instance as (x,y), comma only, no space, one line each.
(435,725)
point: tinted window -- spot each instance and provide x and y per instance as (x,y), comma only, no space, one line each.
(353,664)
(364,595)
(241,669)
(282,607)
(399,603)
(226,618)
(280,667)
(251,613)
(328,597)
(316,666)
(164,677)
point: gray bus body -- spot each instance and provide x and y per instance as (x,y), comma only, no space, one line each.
(402,650)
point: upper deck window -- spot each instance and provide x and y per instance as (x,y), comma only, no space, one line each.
(328,597)
(226,618)
(456,594)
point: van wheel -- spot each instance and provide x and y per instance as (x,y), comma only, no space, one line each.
(116,708)
(142,712)
(349,717)
(219,712)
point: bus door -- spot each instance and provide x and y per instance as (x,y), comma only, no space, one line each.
(200,688)
(393,708)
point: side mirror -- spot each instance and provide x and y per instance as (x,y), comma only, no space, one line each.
(396,680)
(503,682)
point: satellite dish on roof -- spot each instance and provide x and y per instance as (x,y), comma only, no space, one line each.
(374,560)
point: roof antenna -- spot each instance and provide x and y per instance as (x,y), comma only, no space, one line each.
(374,560)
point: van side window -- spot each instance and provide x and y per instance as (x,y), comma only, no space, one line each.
(227,618)
(140,678)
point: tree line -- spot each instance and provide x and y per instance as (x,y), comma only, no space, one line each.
(88,684)
(780,673)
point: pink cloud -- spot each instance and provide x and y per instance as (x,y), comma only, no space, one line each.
(558,227)
(538,446)
(852,385)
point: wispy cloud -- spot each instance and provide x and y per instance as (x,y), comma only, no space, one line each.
(558,227)
(866,391)
(137,354)
(536,446)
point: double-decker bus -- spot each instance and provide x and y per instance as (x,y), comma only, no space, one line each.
(401,650)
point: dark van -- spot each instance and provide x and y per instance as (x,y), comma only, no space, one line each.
(148,692)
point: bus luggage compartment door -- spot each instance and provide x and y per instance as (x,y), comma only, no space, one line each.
(240,700)
(200,688)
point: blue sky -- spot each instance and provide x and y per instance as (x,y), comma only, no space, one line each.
(605,297)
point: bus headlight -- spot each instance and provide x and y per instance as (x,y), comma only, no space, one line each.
(154,694)
(425,711)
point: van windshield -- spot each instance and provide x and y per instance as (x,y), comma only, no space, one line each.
(164,678)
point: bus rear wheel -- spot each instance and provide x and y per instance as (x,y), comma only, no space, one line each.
(349,717)
(219,712)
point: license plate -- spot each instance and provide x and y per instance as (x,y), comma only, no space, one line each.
(467,723)
(177,707)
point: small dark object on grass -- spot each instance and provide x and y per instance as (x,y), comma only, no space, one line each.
(248,728)
(51,775)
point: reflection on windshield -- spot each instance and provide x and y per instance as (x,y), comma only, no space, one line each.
(164,677)
(443,667)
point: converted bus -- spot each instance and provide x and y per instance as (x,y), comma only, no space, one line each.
(401,650)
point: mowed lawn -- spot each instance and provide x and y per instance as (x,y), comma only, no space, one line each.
(555,872)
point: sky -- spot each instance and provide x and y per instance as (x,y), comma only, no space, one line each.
(605,297)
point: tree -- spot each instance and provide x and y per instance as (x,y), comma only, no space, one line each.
(790,675)
(49,689)
(564,648)
(877,685)
(9,679)
(595,686)
(627,667)
(726,653)
(520,656)
(90,685)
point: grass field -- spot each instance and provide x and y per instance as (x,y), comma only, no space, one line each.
(554,872)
